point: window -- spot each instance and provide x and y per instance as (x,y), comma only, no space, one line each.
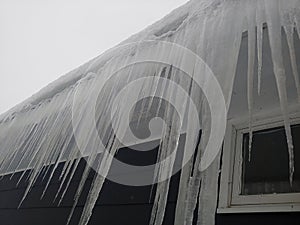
(261,183)
(267,172)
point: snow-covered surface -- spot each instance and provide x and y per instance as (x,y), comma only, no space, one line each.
(41,128)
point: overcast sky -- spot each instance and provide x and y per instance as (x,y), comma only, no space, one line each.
(41,40)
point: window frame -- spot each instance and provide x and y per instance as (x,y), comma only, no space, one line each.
(230,184)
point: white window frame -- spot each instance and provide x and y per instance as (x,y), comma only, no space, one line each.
(229,199)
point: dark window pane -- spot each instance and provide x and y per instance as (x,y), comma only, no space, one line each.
(268,170)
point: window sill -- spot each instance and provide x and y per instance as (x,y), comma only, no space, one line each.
(260,208)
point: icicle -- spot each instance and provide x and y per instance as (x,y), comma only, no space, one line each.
(259,40)
(97,184)
(186,171)
(59,159)
(289,31)
(189,186)
(259,54)
(275,37)
(75,166)
(297,21)
(250,74)
(169,144)
(83,179)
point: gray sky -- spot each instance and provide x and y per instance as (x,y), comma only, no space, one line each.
(40,40)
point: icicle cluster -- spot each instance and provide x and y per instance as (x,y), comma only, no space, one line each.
(40,132)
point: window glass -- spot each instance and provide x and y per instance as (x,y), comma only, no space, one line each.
(268,170)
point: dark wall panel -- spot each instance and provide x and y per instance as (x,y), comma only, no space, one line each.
(116,205)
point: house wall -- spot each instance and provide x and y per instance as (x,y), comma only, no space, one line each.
(126,205)
(116,205)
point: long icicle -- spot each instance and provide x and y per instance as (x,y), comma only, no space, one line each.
(275,37)
(259,40)
(289,31)
(250,73)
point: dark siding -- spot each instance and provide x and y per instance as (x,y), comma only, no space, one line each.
(116,205)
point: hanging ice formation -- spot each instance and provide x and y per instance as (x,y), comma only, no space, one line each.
(39,131)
